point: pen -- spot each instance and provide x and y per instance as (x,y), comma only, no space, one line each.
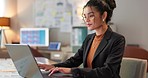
(53,71)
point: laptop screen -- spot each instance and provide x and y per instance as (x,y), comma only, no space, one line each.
(24,61)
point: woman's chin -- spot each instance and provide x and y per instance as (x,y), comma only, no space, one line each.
(89,28)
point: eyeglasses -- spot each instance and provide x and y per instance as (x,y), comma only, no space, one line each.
(88,17)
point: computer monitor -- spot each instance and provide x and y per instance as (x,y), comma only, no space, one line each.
(34,36)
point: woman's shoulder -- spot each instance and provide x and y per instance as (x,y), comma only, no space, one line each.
(117,36)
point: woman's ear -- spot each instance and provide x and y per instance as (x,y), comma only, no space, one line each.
(104,16)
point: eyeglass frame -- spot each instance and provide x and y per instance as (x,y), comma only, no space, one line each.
(89,16)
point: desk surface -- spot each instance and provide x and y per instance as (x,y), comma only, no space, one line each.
(7,69)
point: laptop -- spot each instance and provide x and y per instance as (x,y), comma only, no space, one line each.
(26,64)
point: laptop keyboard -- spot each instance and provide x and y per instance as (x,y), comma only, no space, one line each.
(44,72)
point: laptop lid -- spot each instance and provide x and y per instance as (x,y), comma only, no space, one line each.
(24,60)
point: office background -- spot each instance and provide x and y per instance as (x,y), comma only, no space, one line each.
(130,17)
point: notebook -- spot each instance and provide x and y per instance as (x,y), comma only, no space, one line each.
(25,62)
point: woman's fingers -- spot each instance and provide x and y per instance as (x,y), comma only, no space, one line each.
(45,66)
(53,70)
(64,70)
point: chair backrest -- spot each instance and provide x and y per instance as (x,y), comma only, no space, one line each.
(136,52)
(133,68)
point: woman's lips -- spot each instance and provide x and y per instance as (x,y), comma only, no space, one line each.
(89,24)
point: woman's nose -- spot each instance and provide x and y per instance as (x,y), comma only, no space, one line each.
(87,19)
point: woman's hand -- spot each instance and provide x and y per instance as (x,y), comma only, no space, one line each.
(53,69)
(60,69)
(64,70)
(46,67)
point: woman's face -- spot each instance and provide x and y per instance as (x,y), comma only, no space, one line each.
(92,18)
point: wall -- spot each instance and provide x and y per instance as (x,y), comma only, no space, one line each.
(25,13)
(10,11)
(131,18)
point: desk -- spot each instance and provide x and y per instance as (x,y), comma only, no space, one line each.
(58,56)
(7,69)
(43,53)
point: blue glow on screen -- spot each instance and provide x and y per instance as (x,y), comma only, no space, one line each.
(42,37)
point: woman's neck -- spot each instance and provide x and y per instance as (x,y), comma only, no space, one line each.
(101,30)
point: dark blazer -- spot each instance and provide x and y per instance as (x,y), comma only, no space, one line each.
(106,61)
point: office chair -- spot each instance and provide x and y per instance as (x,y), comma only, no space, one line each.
(133,68)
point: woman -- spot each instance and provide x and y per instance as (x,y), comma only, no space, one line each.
(101,52)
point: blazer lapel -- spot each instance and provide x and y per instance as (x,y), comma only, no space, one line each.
(104,42)
(88,48)
(101,46)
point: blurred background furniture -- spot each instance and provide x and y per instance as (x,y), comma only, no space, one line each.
(133,68)
(4,24)
(4,53)
(136,52)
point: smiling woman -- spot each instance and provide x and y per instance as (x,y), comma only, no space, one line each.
(2,6)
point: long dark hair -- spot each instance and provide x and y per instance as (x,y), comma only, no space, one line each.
(102,6)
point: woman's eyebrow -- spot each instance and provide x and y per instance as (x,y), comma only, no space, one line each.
(89,13)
